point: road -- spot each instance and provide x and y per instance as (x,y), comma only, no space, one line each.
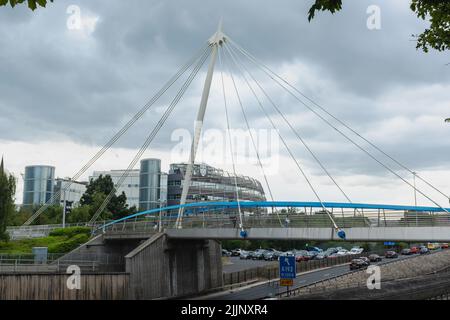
(270,288)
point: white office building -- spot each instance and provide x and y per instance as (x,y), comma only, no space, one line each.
(130,185)
(72,194)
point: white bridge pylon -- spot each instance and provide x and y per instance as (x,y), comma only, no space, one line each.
(215,42)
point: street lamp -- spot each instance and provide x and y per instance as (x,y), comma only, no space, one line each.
(415,190)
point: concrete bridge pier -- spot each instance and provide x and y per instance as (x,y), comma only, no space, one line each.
(162,267)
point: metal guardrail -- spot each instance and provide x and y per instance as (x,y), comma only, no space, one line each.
(87,262)
(298,290)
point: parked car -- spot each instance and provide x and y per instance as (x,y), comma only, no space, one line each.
(226,253)
(315,249)
(245,255)
(342,252)
(320,256)
(405,252)
(391,254)
(357,264)
(424,250)
(356,250)
(366,260)
(444,245)
(271,255)
(236,252)
(312,254)
(258,254)
(302,255)
(375,258)
(431,246)
(415,250)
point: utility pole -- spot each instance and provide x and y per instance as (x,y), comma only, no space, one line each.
(64,209)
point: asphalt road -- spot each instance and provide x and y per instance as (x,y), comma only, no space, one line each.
(270,288)
(237,264)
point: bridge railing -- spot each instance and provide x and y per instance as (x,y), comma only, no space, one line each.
(230,219)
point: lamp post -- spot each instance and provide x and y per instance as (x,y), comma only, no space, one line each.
(415,190)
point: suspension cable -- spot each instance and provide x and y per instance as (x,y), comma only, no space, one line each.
(269,189)
(274,105)
(400,164)
(330,124)
(151,136)
(119,134)
(230,140)
(285,144)
(258,157)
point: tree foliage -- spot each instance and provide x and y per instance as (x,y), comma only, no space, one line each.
(7,206)
(324,5)
(437,36)
(32,4)
(96,192)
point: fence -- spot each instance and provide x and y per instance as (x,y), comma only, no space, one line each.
(271,272)
(54,287)
(87,262)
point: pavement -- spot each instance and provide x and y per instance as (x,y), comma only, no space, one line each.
(269,289)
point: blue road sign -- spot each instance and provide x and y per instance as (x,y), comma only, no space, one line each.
(389,243)
(287,267)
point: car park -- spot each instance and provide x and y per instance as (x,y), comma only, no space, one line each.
(391,254)
(375,258)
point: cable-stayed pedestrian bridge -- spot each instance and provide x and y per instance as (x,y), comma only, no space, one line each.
(288,220)
(270,219)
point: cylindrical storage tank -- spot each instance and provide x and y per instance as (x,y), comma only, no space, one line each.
(149,184)
(39,184)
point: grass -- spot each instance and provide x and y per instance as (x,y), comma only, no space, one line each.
(59,241)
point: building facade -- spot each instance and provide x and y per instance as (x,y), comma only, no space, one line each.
(39,182)
(130,185)
(72,194)
(211,184)
(152,185)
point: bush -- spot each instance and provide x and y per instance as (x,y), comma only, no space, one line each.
(70,232)
(68,245)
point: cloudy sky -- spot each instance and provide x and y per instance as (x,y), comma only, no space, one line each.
(65,91)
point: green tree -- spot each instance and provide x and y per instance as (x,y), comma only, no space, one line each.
(437,36)
(7,207)
(97,191)
(32,4)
